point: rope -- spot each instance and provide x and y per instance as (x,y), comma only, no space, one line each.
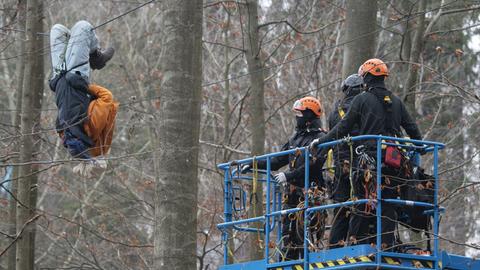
(229,250)
(123,14)
(46,34)
(317,198)
(254,182)
(254,198)
(277,250)
(350,167)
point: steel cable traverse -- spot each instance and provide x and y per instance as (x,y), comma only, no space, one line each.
(123,14)
(95,27)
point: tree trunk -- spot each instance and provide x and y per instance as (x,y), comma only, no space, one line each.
(407,9)
(361,21)
(226,121)
(30,119)
(257,118)
(416,51)
(20,69)
(226,88)
(178,135)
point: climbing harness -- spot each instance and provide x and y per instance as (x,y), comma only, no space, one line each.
(367,165)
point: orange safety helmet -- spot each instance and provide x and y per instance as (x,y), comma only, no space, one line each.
(374,66)
(309,103)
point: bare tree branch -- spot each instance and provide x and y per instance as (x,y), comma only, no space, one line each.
(229,148)
(296,29)
(19,234)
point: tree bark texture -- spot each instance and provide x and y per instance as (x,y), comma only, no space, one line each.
(360,34)
(416,51)
(30,121)
(20,69)
(407,8)
(226,121)
(257,116)
(178,135)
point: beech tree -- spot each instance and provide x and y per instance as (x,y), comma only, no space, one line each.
(178,118)
(360,34)
(33,82)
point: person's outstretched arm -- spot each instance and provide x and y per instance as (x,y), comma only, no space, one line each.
(276,162)
(344,127)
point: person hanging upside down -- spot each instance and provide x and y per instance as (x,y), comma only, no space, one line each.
(86,111)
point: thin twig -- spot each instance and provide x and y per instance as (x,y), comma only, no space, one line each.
(19,233)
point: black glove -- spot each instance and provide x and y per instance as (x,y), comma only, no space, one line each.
(422,151)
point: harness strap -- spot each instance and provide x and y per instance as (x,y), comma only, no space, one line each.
(387,103)
(63,72)
(341,112)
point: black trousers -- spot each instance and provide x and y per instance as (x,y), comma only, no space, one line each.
(341,216)
(292,239)
(362,225)
(339,231)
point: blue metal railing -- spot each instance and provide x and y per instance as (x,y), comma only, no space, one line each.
(230,175)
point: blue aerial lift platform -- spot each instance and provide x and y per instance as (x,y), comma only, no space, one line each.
(349,257)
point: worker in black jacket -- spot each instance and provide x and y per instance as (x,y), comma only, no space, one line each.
(378,112)
(342,156)
(308,128)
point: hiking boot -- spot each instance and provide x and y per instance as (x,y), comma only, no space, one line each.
(100,57)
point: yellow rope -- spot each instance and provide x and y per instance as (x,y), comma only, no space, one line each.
(350,173)
(230,253)
(229,250)
(254,196)
(330,165)
(255,179)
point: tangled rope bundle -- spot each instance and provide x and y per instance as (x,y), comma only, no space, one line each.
(317,221)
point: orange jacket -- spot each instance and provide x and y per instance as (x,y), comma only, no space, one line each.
(101,119)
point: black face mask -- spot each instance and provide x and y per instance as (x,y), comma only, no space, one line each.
(302,122)
(307,118)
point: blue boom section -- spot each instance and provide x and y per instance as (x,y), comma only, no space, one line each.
(351,257)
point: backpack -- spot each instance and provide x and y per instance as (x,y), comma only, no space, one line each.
(421,189)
